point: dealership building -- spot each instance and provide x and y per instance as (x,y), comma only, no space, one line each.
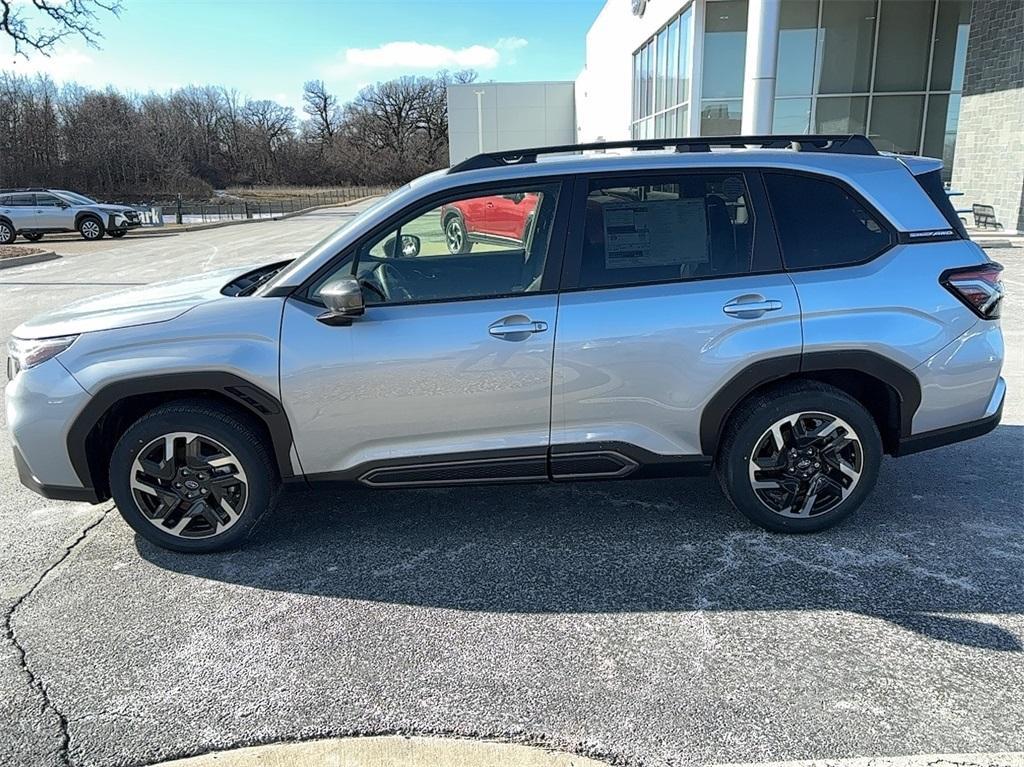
(942,78)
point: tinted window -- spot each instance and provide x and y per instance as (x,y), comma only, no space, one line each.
(19,200)
(821,224)
(469,247)
(47,201)
(936,191)
(669,228)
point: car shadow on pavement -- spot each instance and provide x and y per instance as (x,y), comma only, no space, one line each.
(939,545)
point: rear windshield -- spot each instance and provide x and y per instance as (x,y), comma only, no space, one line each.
(932,185)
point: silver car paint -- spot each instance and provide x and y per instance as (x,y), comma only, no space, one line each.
(158,302)
(430,379)
(415,380)
(643,372)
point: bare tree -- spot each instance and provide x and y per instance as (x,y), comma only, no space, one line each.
(322,109)
(38,25)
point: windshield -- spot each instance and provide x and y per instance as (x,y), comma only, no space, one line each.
(329,244)
(74,198)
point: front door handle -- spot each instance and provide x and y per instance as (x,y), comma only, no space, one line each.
(518,327)
(751,307)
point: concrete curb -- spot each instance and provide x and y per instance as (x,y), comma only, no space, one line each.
(12,261)
(387,751)
(994,759)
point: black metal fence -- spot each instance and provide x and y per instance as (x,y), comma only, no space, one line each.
(230,208)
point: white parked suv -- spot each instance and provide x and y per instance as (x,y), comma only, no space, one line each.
(32,213)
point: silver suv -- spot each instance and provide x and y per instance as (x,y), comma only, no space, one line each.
(783,311)
(35,212)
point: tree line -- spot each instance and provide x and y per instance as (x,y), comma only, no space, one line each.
(194,139)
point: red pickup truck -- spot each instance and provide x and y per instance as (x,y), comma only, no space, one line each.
(496,220)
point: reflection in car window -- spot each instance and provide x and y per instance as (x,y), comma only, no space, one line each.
(47,201)
(471,247)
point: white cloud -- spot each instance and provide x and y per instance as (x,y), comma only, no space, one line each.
(511,43)
(412,55)
(61,66)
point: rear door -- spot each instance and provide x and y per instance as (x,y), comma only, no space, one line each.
(672,285)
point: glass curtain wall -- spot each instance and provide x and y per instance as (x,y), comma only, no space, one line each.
(725,54)
(892,69)
(661,81)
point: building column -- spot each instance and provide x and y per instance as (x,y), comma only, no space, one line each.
(761,66)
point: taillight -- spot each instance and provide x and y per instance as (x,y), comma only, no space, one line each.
(977,286)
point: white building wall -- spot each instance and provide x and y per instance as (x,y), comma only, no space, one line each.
(605,86)
(511,116)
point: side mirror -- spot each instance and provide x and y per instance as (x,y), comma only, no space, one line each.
(517,198)
(410,247)
(344,300)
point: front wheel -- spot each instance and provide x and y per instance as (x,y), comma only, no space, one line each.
(193,476)
(91,228)
(456,237)
(800,457)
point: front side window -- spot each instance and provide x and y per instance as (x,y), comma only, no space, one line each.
(47,201)
(479,246)
(820,224)
(666,228)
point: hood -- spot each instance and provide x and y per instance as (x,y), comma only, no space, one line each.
(158,302)
(114,208)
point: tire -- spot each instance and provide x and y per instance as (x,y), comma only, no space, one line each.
(7,233)
(91,228)
(838,467)
(456,238)
(118,233)
(33,236)
(245,477)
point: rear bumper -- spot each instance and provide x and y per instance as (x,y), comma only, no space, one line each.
(928,440)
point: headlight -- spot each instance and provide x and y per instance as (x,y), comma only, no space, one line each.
(25,353)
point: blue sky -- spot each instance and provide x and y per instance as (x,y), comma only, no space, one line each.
(268,49)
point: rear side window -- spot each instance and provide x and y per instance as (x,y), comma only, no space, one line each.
(820,224)
(936,191)
(666,228)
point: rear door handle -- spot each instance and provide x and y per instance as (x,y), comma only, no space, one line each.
(751,307)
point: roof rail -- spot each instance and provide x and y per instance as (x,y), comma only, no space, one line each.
(24,189)
(848,143)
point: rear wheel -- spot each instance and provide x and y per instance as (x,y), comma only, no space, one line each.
(193,476)
(7,233)
(91,228)
(800,457)
(33,236)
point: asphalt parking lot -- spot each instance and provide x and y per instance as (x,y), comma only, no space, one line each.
(645,623)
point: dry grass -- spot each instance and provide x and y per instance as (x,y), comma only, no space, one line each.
(10,251)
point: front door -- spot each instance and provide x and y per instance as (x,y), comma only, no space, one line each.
(447,376)
(673,285)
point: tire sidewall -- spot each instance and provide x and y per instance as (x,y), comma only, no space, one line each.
(734,464)
(7,233)
(262,488)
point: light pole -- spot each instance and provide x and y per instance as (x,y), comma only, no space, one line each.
(480,121)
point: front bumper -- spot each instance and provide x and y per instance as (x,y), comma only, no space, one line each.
(54,492)
(960,432)
(119,222)
(42,403)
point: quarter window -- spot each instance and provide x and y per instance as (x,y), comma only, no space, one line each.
(821,224)
(667,228)
(471,247)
